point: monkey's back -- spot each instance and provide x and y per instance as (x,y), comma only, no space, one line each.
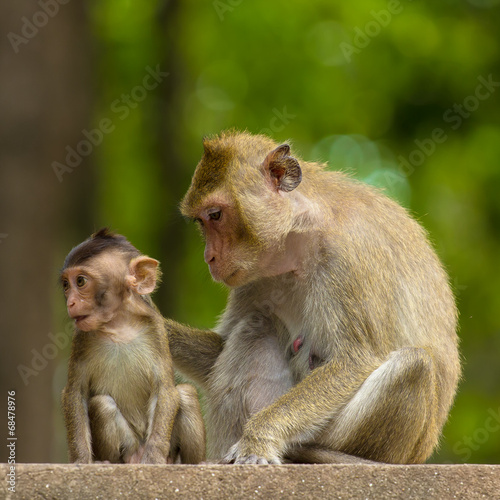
(389,258)
(385,272)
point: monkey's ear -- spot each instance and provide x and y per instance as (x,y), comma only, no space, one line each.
(283,169)
(144,274)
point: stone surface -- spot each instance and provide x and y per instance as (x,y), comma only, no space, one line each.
(52,481)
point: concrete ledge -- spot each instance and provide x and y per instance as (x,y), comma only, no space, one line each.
(51,481)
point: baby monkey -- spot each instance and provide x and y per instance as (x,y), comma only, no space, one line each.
(121,404)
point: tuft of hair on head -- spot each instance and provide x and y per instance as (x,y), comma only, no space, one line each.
(233,142)
(102,240)
(105,233)
(223,155)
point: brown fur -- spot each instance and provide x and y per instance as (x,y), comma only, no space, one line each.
(120,403)
(340,330)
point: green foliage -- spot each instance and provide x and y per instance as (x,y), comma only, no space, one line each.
(391,91)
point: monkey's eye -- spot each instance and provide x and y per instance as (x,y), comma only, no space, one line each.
(215,215)
(65,285)
(81,281)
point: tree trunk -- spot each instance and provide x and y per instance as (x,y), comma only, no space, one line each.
(175,177)
(44,103)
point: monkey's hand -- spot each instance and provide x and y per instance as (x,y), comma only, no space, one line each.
(246,452)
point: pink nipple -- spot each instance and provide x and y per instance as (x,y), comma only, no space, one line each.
(297,344)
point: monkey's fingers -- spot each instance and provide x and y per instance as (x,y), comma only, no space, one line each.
(236,457)
(256,460)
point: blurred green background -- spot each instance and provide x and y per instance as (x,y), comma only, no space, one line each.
(401,94)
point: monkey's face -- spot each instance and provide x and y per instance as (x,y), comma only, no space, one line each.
(234,253)
(79,290)
(90,300)
(229,251)
(239,195)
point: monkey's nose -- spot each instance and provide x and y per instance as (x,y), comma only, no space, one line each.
(209,256)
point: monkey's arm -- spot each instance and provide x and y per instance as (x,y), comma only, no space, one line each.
(302,411)
(194,351)
(76,417)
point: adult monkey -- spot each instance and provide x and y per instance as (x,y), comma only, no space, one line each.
(340,330)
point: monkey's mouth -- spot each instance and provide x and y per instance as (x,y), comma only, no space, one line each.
(229,279)
(220,275)
(80,318)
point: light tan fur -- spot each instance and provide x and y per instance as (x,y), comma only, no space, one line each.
(121,404)
(340,330)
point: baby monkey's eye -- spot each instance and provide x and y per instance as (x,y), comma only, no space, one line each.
(65,285)
(81,281)
(216,215)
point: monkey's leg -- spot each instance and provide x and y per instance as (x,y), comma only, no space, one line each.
(188,435)
(385,413)
(392,417)
(112,437)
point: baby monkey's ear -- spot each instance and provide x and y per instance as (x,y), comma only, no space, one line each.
(144,274)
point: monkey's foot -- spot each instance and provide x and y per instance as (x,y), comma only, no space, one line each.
(238,456)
